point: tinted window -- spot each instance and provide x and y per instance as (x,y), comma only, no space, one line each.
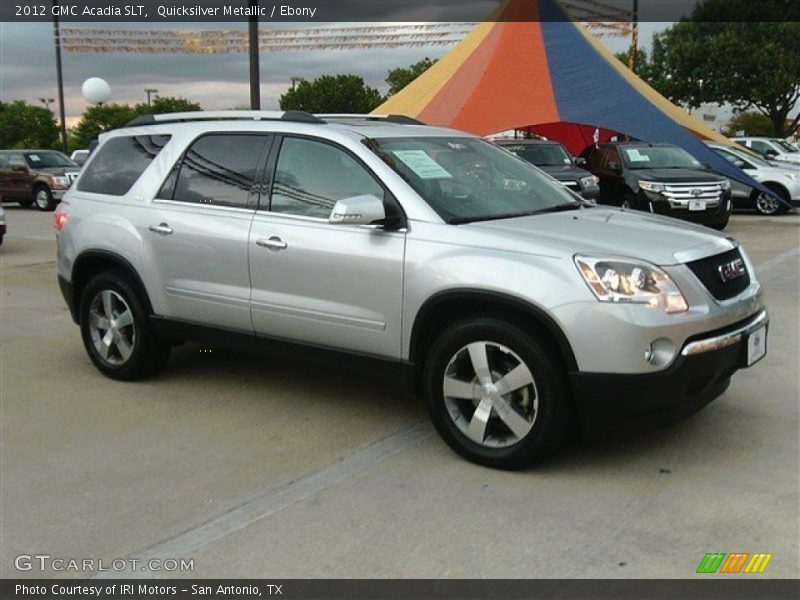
(3,160)
(311,176)
(47,160)
(119,163)
(760,146)
(541,155)
(16,160)
(219,170)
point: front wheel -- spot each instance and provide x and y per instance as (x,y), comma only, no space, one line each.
(720,225)
(496,394)
(43,198)
(116,330)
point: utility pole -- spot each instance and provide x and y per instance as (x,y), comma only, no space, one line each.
(295,80)
(255,69)
(60,80)
(149,91)
(632,55)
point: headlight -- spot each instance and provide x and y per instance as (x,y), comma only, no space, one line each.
(590,181)
(652,186)
(725,184)
(60,181)
(622,280)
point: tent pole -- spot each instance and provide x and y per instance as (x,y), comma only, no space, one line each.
(255,68)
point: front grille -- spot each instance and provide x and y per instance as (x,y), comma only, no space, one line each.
(679,194)
(707,271)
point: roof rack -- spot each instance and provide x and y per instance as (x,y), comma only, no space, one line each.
(297,116)
(395,119)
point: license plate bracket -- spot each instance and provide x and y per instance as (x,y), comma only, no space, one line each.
(696,205)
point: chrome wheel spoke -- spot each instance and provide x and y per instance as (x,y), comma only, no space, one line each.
(123,347)
(519,377)
(105,345)
(477,426)
(519,425)
(97,320)
(125,319)
(108,303)
(455,388)
(480,362)
(111,327)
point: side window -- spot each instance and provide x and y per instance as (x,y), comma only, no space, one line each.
(3,160)
(760,146)
(219,170)
(596,161)
(611,156)
(311,176)
(16,160)
(119,163)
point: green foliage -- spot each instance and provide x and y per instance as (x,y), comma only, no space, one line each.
(402,76)
(752,123)
(644,66)
(332,94)
(26,126)
(105,117)
(720,57)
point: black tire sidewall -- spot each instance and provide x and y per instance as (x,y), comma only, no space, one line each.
(550,428)
(51,203)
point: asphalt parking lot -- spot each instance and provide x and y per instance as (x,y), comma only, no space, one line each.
(264,466)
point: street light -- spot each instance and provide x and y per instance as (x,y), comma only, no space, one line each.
(295,80)
(149,91)
(47,102)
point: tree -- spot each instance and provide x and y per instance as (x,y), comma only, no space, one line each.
(332,94)
(402,76)
(25,126)
(644,67)
(751,123)
(719,56)
(167,104)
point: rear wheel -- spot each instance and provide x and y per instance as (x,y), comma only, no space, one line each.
(497,395)
(116,330)
(43,198)
(768,205)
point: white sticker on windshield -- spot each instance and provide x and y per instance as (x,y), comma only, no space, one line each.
(34,157)
(422,164)
(636,156)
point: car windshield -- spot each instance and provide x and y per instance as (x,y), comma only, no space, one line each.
(541,155)
(786,146)
(732,155)
(45,160)
(659,157)
(468,179)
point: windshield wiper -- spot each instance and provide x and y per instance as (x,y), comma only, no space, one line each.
(551,209)
(560,208)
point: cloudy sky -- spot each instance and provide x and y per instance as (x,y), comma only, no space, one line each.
(27,68)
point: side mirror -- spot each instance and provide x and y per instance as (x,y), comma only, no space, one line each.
(358,210)
(580,161)
(770,153)
(740,164)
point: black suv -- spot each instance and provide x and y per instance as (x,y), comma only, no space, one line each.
(662,179)
(553,159)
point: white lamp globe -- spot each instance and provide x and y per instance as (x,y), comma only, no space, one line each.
(96,90)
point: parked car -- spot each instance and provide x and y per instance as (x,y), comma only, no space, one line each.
(510,302)
(552,158)
(2,224)
(661,179)
(771,148)
(79,157)
(35,177)
(784,182)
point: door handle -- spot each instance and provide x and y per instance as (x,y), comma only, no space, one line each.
(273,243)
(161,228)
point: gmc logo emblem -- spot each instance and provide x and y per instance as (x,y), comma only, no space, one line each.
(732,270)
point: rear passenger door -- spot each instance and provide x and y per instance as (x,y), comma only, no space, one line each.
(198,229)
(313,282)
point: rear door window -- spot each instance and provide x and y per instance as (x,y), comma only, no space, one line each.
(119,163)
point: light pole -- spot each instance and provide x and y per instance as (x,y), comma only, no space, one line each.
(255,68)
(47,102)
(295,80)
(60,80)
(149,91)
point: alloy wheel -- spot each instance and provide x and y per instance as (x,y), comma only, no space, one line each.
(490,394)
(42,199)
(767,205)
(111,327)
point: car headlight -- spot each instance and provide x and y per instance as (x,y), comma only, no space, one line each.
(652,186)
(629,281)
(589,181)
(725,184)
(60,181)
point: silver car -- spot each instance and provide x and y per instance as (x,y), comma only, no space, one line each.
(518,310)
(782,178)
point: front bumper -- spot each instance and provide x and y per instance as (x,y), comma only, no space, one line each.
(660,205)
(609,404)
(58,194)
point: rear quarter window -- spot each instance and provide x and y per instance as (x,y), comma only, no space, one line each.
(119,163)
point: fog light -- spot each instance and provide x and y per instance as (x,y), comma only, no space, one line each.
(660,352)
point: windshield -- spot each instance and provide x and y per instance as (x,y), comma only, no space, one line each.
(732,155)
(468,179)
(541,155)
(46,160)
(659,157)
(786,146)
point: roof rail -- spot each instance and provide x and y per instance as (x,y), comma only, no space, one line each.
(297,116)
(396,119)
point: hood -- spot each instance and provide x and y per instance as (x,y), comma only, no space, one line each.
(677,175)
(565,172)
(604,232)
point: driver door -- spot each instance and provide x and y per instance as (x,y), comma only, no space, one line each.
(314,282)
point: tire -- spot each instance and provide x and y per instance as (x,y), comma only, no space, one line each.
(1,239)
(720,225)
(25,202)
(43,198)
(130,350)
(628,201)
(540,411)
(779,207)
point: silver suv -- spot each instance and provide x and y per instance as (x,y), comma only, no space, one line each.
(518,309)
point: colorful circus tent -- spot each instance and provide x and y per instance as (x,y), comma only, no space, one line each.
(530,67)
